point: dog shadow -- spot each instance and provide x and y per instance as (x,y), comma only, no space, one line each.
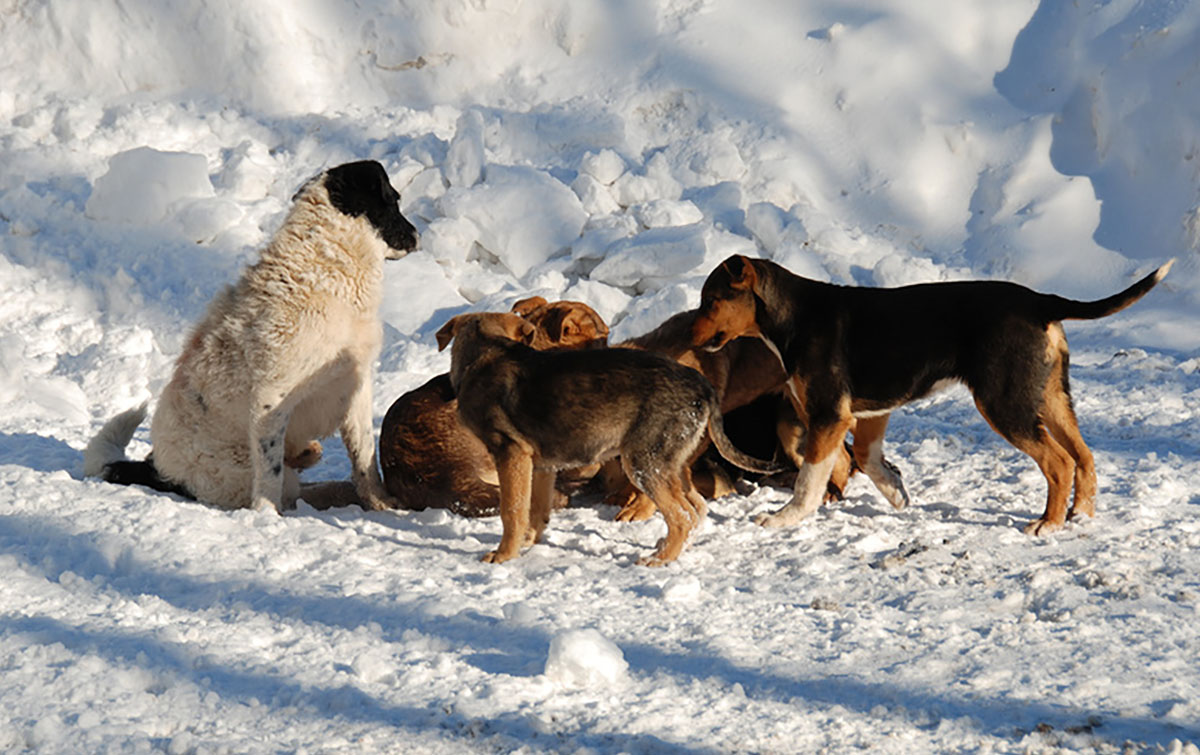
(40,453)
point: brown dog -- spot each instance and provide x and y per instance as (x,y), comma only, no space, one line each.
(430,460)
(742,371)
(855,354)
(541,411)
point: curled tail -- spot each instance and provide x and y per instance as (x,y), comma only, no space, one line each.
(716,431)
(109,444)
(104,456)
(1059,308)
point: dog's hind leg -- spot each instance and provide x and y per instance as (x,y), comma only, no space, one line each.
(1059,416)
(1032,437)
(675,508)
(515,468)
(541,498)
(868,452)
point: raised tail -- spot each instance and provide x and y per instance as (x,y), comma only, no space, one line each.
(716,431)
(1059,308)
(109,444)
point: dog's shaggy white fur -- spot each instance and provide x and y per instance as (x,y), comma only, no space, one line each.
(282,357)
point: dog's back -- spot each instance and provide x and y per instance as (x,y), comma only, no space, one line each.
(430,460)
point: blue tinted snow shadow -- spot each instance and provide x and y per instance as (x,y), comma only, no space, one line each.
(39,453)
(498,648)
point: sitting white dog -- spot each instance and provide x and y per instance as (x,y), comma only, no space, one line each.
(283,357)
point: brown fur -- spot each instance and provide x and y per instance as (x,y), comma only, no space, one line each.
(430,460)
(855,354)
(541,411)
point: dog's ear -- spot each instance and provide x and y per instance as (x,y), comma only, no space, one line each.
(445,333)
(581,326)
(527,306)
(742,274)
(527,333)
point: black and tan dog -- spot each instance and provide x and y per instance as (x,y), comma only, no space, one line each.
(430,460)
(742,371)
(541,411)
(855,354)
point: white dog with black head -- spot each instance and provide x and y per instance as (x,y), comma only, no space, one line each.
(283,357)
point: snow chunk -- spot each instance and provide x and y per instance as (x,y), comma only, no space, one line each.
(594,195)
(143,184)
(657,253)
(415,292)
(773,228)
(605,166)
(665,213)
(681,590)
(525,216)
(584,658)
(464,158)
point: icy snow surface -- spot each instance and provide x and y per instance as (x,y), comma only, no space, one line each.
(609,152)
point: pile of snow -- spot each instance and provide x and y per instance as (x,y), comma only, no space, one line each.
(611,153)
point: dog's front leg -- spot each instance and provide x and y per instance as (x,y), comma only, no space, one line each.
(515,468)
(358,435)
(267,431)
(822,445)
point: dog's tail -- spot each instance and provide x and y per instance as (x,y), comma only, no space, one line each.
(104,456)
(109,444)
(1058,308)
(716,431)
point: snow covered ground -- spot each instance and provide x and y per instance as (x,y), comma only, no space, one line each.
(611,152)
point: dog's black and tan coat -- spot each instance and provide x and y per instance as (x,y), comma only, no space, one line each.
(855,354)
(541,411)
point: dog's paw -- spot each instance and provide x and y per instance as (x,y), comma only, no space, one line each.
(1042,527)
(264,504)
(654,560)
(496,557)
(781,518)
(306,457)
(1082,510)
(639,509)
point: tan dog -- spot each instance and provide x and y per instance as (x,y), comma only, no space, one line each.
(855,354)
(744,370)
(541,411)
(430,460)
(281,358)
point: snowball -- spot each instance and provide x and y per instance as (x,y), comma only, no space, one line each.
(464,158)
(584,658)
(142,184)
(525,216)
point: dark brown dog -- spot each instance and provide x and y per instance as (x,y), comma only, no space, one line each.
(742,371)
(855,354)
(541,411)
(430,460)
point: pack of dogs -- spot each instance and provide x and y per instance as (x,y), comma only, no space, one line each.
(538,404)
